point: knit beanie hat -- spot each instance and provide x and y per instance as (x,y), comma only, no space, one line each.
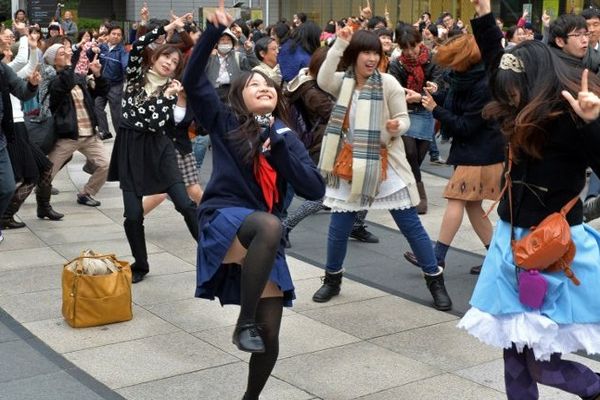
(50,53)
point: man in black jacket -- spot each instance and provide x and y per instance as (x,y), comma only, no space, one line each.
(75,122)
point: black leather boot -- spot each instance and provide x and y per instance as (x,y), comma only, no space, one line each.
(134,230)
(8,219)
(247,338)
(330,288)
(44,209)
(435,284)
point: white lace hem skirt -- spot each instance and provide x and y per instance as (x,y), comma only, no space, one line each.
(531,329)
(398,200)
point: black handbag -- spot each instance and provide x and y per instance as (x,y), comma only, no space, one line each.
(41,132)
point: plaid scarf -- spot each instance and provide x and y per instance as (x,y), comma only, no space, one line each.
(366,164)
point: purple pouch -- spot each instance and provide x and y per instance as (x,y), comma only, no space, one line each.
(532,288)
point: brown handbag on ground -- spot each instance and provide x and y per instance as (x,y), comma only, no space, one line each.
(96,290)
(342,168)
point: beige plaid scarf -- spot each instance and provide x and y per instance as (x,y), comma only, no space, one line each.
(366,163)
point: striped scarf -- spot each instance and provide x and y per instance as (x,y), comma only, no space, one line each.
(366,163)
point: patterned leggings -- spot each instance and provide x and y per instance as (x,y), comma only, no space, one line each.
(310,207)
(522,373)
(24,190)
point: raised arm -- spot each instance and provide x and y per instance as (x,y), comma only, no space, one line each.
(487,34)
(202,97)
(327,78)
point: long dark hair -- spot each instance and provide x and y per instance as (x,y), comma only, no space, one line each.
(307,36)
(246,138)
(538,89)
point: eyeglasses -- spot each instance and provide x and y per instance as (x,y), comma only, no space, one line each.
(580,35)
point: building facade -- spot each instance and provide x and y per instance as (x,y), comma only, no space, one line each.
(321,11)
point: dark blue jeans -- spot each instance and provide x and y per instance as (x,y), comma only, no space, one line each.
(409,224)
(7,180)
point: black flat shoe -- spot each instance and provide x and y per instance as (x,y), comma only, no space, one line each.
(475,270)
(247,338)
(137,276)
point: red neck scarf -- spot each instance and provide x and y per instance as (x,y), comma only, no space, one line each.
(414,68)
(266,177)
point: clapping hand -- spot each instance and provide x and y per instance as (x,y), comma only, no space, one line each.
(428,102)
(174,88)
(95,66)
(587,104)
(393,126)
(412,96)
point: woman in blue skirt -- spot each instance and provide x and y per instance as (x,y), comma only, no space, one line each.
(240,251)
(554,138)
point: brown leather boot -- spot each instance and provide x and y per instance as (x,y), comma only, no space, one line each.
(422,206)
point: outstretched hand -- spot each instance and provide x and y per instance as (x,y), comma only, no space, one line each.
(221,17)
(587,104)
(482,7)
(344,33)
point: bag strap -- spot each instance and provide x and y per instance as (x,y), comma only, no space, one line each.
(567,207)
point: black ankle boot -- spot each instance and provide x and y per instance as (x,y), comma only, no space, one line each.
(330,288)
(435,284)
(247,338)
(44,209)
(11,223)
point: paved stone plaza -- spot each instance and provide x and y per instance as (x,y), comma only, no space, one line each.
(365,344)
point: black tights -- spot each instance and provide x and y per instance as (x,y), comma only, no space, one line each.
(134,221)
(260,234)
(416,150)
(268,317)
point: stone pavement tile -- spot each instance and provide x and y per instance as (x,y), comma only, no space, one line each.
(26,280)
(302,270)
(441,345)
(293,338)
(441,387)
(77,234)
(378,317)
(165,263)
(115,214)
(187,252)
(19,239)
(193,315)
(65,203)
(138,361)
(491,374)
(35,306)
(92,219)
(20,361)
(118,247)
(38,257)
(6,335)
(157,289)
(351,292)
(225,382)
(351,371)
(57,334)
(57,385)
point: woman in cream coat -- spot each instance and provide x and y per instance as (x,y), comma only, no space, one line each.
(370,114)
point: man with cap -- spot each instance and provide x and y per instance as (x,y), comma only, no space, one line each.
(23,90)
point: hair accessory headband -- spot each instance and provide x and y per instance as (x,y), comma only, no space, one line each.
(509,61)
